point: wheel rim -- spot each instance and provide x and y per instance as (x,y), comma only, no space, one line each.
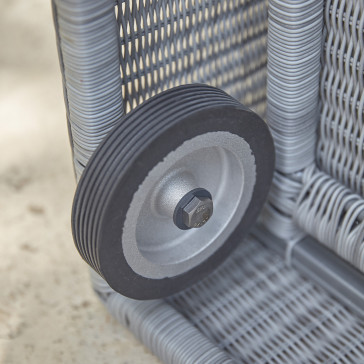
(124,160)
(222,163)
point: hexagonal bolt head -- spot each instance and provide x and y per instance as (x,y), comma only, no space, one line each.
(197,212)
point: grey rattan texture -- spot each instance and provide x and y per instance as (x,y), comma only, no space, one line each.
(333,215)
(258,310)
(161,328)
(331,203)
(253,308)
(89,59)
(341,143)
(294,49)
(168,43)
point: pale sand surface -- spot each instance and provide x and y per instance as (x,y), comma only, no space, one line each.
(48,311)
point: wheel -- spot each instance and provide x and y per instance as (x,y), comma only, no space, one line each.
(171,191)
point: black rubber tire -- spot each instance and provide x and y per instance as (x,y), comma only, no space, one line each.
(122,161)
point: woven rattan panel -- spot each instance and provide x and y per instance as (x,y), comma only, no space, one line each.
(253,309)
(331,205)
(165,43)
(341,143)
(258,310)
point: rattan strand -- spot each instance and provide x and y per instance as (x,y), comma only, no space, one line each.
(168,43)
(294,48)
(340,150)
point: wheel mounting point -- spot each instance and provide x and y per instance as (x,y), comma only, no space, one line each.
(194,209)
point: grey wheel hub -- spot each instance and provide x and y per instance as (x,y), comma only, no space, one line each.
(218,162)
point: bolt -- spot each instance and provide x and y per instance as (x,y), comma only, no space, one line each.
(197,212)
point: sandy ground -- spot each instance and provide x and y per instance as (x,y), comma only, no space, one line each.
(48,312)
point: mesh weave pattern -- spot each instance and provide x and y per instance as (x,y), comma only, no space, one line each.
(331,205)
(341,144)
(165,43)
(332,214)
(258,310)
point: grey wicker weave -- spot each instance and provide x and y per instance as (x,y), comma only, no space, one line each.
(282,297)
